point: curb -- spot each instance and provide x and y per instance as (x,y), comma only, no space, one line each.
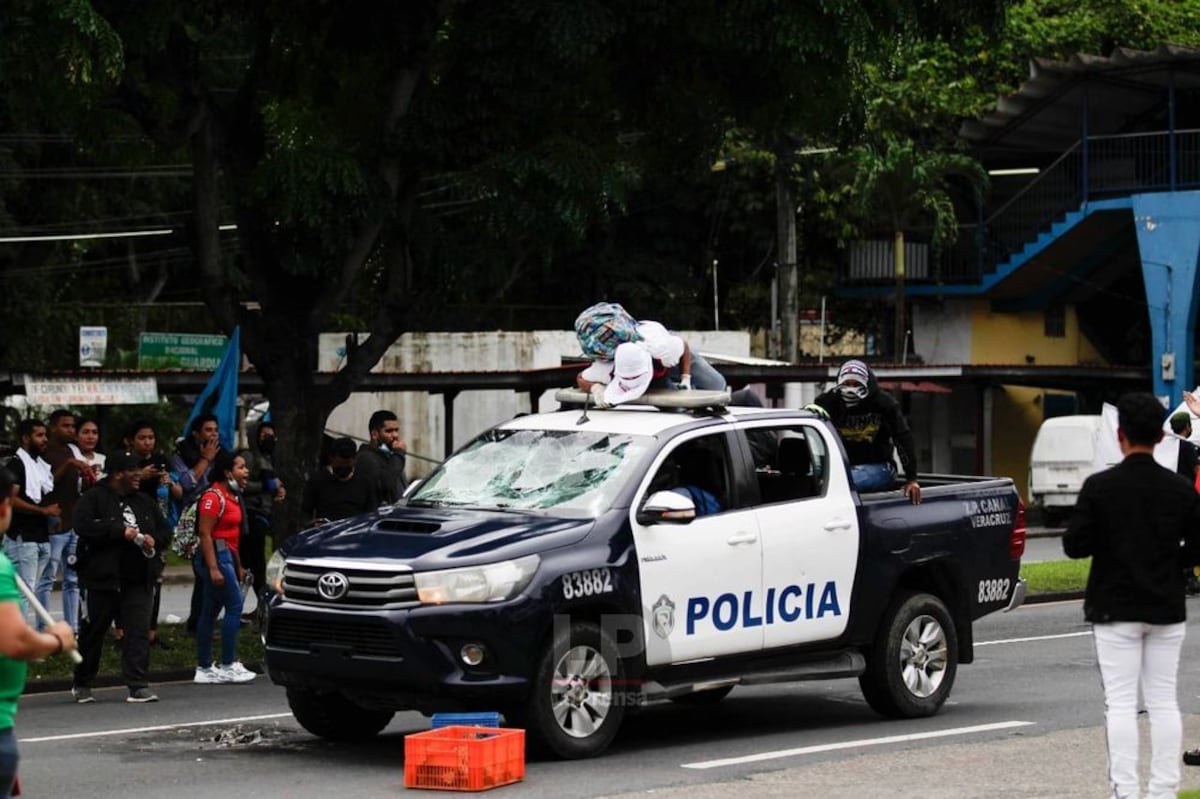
(102,681)
(111,680)
(1053,596)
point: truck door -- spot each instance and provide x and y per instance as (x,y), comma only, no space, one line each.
(699,579)
(809,526)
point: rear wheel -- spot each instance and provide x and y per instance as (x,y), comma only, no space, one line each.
(577,702)
(333,716)
(911,666)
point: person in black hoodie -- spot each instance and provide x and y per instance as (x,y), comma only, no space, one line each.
(1140,525)
(121,531)
(870,423)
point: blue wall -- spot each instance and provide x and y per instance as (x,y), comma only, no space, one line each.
(1168,233)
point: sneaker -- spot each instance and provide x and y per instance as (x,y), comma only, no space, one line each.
(209,676)
(237,672)
(142,695)
(82,694)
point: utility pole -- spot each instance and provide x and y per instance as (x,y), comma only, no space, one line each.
(788,273)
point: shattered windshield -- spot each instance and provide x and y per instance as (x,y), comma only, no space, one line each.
(536,470)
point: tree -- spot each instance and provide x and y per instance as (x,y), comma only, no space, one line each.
(901,182)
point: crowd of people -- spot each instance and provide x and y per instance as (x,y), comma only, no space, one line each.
(101,527)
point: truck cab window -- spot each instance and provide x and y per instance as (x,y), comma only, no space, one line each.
(800,468)
(698,469)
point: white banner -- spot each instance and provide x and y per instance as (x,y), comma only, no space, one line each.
(59,391)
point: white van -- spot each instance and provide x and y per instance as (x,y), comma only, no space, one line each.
(1065,452)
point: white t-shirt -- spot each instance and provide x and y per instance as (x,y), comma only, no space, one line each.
(663,346)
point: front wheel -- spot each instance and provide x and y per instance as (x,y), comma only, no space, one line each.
(911,666)
(333,716)
(577,701)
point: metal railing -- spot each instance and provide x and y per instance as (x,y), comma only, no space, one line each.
(1108,166)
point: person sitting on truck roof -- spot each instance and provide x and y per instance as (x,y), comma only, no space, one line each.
(870,423)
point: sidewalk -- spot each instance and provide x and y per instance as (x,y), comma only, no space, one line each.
(1058,765)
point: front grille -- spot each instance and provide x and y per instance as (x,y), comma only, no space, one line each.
(368,638)
(385,587)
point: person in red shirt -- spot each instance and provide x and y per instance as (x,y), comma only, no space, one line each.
(219,527)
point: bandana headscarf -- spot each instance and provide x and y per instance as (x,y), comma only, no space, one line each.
(853,393)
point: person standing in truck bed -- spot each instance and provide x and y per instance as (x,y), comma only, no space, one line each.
(870,422)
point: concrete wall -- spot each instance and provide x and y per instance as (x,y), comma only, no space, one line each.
(422,416)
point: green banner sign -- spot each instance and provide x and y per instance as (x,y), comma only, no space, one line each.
(193,351)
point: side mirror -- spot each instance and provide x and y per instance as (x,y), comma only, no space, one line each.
(667,507)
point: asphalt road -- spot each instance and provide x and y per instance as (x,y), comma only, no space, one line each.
(1023,720)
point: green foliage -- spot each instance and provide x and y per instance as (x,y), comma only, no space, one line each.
(1056,575)
(180,656)
(899,182)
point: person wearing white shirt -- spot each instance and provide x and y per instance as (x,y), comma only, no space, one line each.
(27,543)
(673,363)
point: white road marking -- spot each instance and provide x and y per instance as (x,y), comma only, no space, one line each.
(1034,638)
(891,739)
(129,730)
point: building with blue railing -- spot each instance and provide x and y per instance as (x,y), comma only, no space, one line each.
(1087,247)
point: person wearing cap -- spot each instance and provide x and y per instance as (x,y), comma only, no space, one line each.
(121,531)
(871,424)
(673,363)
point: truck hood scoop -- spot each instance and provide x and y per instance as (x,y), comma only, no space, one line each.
(406,526)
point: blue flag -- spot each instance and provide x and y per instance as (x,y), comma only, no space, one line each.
(220,396)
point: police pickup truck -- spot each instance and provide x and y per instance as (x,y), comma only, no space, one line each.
(566,568)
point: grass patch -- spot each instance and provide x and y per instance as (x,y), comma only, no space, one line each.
(1056,575)
(181,655)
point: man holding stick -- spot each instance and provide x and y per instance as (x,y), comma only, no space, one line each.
(19,643)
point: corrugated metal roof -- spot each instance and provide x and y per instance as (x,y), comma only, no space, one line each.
(1045,113)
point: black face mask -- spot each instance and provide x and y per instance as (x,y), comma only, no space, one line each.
(342,472)
(266,445)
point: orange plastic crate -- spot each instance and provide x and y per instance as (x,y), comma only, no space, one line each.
(458,758)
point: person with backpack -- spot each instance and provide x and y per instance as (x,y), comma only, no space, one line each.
(219,517)
(121,532)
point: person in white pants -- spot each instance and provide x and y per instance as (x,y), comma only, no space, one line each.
(1140,523)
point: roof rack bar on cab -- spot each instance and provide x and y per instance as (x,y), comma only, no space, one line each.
(661,398)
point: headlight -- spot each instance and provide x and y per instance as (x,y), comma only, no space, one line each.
(274,573)
(494,582)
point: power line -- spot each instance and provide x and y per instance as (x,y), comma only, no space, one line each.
(127,234)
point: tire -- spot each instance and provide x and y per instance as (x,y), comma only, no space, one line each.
(333,716)
(710,696)
(912,665)
(576,705)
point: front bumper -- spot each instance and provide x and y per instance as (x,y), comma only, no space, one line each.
(403,659)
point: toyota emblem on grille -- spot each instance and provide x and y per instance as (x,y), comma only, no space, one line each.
(332,585)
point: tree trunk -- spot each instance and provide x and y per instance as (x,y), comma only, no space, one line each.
(285,351)
(901,339)
(788,274)
(299,418)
